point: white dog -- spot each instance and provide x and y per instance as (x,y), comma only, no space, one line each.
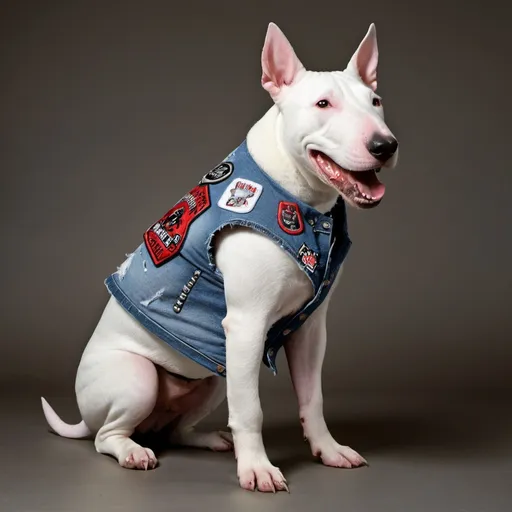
(244,264)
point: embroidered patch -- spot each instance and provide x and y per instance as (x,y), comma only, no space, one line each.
(220,173)
(308,257)
(164,238)
(178,305)
(240,196)
(290,218)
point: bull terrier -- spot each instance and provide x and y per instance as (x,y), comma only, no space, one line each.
(244,264)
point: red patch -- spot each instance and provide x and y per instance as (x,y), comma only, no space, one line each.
(290,218)
(164,238)
(308,257)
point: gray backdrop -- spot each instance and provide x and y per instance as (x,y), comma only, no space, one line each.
(111,110)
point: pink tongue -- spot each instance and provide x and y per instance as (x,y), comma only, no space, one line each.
(368,183)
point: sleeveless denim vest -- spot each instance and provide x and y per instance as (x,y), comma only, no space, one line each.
(171,285)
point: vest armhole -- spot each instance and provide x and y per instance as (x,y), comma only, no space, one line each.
(242,223)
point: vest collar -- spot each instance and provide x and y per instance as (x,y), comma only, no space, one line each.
(336,215)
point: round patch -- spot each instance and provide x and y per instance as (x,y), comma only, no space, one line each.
(219,173)
(289,218)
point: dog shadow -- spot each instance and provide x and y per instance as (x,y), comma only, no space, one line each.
(436,438)
(405,437)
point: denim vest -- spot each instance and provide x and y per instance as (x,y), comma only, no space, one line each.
(171,285)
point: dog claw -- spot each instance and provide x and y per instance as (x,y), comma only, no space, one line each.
(333,454)
(284,487)
(140,458)
(263,478)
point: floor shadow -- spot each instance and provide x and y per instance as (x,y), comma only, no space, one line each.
(455,431)
(437,437)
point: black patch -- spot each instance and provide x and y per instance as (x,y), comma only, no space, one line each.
(308,257)
(220,173)
(178,305)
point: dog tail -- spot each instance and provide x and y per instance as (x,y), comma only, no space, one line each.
(77,431)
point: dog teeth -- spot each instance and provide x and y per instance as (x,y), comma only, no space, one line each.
(365,198)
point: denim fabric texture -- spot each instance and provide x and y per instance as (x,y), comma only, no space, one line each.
(181,300)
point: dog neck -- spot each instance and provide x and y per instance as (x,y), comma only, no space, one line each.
(264,142)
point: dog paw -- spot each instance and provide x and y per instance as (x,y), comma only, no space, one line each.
(139,458)
(335,455)
(263,477)
(216,441)
(222,441)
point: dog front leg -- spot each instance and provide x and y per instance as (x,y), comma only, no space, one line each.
(256,273)
(305,354)
(244,351)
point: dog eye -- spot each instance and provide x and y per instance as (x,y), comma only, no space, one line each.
(376,102)
(323,104)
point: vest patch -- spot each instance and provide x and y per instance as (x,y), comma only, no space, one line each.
(308,257)
(220,173)
(289,218)
(183,302)
(241,195)
(165,238)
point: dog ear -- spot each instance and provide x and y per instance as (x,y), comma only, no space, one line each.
(365,59)
(279,63)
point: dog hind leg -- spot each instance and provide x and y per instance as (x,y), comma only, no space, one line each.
(119,391)
(204,400)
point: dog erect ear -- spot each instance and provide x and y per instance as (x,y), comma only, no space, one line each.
(279,63)
(364,61)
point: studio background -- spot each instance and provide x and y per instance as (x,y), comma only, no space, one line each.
(110,111)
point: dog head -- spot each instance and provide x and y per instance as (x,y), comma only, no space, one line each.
(332,121)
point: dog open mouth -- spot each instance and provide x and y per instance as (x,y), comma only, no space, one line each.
(362,187)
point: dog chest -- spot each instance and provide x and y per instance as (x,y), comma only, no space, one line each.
(171,284)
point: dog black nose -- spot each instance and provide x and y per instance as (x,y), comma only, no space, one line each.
(382,148)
